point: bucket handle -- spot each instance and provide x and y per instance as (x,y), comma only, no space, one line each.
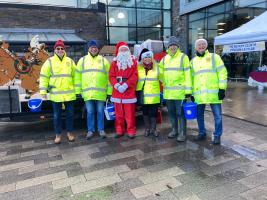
(36,106)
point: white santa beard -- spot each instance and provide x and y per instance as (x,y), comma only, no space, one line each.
(124,60)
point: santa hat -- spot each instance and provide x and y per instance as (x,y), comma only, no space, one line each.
(120,45)
(59,43)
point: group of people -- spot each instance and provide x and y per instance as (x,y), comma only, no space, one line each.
(128,81)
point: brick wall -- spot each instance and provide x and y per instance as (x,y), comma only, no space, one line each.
(88,23)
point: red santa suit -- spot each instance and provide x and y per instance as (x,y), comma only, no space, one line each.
(123,77)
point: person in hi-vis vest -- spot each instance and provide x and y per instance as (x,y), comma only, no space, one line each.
(209,85)
(148,91)
(57,77)
(91,81)
(177,85)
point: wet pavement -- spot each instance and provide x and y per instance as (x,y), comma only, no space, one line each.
(33,167)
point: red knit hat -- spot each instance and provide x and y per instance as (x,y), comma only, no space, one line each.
(59,43)
(120,44)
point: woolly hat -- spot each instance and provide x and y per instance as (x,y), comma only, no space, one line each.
(145,53)
(93,43)
(201,40)
(173,41)
(59,43)
(119,45)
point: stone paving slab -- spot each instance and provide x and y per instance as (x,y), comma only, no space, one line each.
(94,184)
(155,187)
(32,167)
(40,180)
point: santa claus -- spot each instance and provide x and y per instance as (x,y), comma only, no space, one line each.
(123,77)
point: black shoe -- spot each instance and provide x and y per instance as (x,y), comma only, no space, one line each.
(131,136)
(147,132)
(118,136)
(200,138)
(155,133)
(216,141)
(173,134)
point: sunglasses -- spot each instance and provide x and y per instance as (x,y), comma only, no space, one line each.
(60,49)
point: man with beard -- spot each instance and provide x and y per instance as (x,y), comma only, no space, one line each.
(123,78)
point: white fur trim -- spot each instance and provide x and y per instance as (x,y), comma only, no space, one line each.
(148,54)
(123,46)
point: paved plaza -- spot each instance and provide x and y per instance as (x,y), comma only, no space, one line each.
(32,167)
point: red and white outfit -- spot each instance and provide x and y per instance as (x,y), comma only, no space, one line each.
(123,77)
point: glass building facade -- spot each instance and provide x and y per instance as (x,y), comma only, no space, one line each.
(220,18)
(134,21)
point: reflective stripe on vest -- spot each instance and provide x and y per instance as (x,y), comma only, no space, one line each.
(62,92)
(103,70)
(174,88)
(94,70)
(58,75)
(147,79)
(93,88)
(206,91)
(42,75)
(151,95)
(42,88)
(213,70)
(181,68)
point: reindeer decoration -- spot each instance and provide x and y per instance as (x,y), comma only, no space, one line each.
(27,69)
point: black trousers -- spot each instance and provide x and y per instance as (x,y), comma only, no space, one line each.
(150,110)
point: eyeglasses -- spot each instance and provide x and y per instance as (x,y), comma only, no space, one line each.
(58,49)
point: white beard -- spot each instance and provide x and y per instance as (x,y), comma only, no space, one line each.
(124,60)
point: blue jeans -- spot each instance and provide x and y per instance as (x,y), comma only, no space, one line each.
(217,115)
(175,111)
(57,108)
(91,107)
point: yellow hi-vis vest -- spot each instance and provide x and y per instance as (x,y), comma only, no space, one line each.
(209,75)
(57,77)
(91,78)
(176,76)
(149,83)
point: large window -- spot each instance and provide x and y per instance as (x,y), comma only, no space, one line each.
(137,20)
(220,18)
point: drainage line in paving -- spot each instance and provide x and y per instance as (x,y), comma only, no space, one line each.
(244,120)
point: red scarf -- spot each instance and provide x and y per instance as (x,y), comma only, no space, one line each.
(148,66)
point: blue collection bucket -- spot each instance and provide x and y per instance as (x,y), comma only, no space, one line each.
(35,105)
(190,110)
(109,111)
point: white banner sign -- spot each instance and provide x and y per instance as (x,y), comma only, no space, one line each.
(245,47)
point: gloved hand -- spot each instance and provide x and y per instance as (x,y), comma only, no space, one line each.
(192,99)
(187,96)
(117,85)
(108,98)
(221,94)
(78,96)
(122,88)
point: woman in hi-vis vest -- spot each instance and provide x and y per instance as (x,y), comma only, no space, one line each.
(148,91)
